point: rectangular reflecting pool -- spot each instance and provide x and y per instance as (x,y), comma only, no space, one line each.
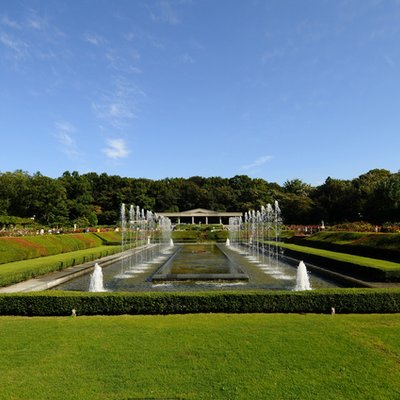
(196,267)
(200,262)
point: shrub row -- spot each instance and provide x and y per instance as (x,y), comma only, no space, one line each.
(27,247)
(111,238)
(200,235)
(375,273)
(24,270)
(393,227)
(318,301)
(359,226)
(379,246)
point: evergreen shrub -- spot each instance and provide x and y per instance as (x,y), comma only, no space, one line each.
(383,246)
(359,226)
(199,233)
(316,301)
(391,227)
(32,268)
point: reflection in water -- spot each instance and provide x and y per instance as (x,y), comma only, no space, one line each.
(200,259)
(205,262)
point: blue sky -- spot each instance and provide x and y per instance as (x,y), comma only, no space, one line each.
(175,88)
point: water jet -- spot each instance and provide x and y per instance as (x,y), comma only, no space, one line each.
(302,278)
(96,280)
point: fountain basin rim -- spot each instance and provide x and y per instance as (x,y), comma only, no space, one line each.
(199,277)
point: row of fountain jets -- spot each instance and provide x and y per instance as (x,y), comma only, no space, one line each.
(258,233)
(148,236)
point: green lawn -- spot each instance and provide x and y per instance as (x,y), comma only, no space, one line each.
(215,356)
(358,260)
(26,247)
(384,241)
(18,271)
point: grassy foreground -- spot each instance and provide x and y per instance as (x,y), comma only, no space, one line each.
(222,356)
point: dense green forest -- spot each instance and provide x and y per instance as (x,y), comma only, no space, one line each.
(94,199)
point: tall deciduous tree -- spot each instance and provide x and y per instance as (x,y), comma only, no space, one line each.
(297,187)
(79,197)
(49,200)
(337,200)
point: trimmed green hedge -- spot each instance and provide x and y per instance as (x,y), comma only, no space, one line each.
(19,271)
(384,246)
(364,268)
(111,238)
(316,301)
(199,233)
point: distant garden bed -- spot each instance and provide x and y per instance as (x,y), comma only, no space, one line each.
(28,247)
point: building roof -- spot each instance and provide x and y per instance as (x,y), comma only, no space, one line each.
(201,212)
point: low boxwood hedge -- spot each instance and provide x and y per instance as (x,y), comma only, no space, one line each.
(19,271)
(368,269)
(199,235)
(53,303)
(374,245)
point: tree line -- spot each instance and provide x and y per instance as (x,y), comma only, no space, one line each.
(94,199)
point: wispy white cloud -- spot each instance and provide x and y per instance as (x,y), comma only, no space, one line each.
(272,55)
(258,162)
(385,32)
(64,133)
(139,35)
(95,40)
(167,11)
(124,63)
(116,149)
(187,59)
(19,47)
(164,11)
(118,106)
(389,61)
(30,38)
(36,21)
(114,110)
(10,23)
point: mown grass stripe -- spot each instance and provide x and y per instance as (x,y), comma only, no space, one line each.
(19,271)
(344,257)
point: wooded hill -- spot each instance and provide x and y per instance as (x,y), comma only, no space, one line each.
(91,199)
